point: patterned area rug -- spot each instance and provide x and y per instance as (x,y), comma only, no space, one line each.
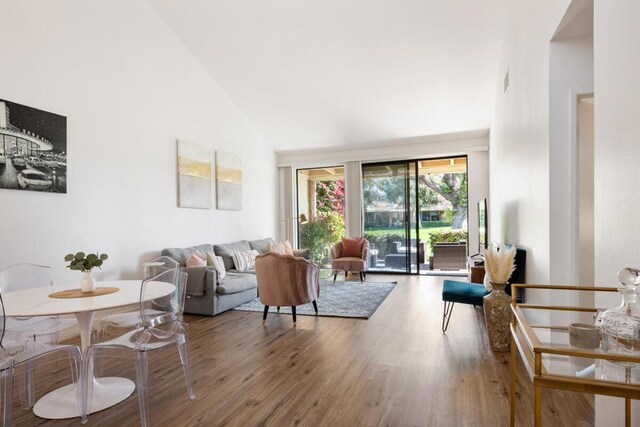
(342,299)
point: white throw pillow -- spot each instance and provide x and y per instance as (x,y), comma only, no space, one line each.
(282,248)
(217,263)
(288,250)
(277,248)
(245,260)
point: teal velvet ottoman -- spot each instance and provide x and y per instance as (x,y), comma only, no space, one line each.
(460,292)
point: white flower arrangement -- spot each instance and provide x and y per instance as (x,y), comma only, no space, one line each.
(499,263)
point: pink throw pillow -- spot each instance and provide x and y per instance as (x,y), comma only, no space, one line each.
(288,250)
(352,247)
(196,260)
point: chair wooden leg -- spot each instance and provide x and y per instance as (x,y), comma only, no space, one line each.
(264,316)
(293,312)
(315,306)
(446,316)
(278,309)
(335,276)
(361,277)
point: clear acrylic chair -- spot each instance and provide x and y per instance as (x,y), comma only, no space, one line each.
(6,373)
(118,324)
(18,353)
(37,329)
(45,329)
(161,305)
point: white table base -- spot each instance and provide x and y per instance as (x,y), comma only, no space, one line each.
(108,391)
(62,403)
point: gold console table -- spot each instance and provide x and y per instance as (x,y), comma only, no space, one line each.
(552,362)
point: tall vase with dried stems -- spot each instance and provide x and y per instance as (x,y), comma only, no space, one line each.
(499,265)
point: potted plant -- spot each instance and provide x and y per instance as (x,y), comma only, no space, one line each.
(499,265)
(85,263)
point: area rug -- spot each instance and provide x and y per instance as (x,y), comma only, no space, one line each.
(342,299)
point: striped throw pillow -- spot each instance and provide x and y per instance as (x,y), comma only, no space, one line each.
(245,260)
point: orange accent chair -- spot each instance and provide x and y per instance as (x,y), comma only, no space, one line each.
(351,255)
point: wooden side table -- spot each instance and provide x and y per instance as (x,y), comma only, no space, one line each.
(476,272)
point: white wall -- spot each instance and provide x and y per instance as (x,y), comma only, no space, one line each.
(571,73)
(519,155)
(586,237)
(128,88)
(520,145)
(478,187)
(617,156)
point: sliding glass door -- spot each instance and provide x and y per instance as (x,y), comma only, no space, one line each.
(389,196)
(415,215)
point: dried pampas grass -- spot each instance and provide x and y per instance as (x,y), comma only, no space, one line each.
(499,263)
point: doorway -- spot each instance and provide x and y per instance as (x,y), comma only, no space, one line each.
(320,218)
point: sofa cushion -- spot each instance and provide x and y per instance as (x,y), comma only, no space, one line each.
(226,251)
(261,245)
(181,254)
(236,282)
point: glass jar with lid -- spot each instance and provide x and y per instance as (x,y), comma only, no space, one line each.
(620,326)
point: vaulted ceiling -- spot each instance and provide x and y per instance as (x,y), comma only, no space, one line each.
(311,74)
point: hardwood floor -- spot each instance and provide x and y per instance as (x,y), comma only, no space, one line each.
(395,369)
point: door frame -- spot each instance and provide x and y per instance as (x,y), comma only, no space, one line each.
(297,201)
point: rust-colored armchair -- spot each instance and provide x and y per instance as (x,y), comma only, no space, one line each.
(285,280)
(351,255)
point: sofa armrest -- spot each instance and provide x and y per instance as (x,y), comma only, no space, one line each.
(201,280)
(302,253)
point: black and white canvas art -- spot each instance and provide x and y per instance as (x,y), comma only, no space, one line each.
(33,149)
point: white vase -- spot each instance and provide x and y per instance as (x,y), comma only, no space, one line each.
(88,283)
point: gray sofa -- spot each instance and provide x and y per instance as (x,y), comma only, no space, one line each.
(206,294)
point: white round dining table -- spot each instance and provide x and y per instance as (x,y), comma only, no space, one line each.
(107,391)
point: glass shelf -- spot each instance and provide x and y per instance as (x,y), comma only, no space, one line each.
(552,362)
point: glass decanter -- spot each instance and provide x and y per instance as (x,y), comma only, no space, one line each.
(620,326)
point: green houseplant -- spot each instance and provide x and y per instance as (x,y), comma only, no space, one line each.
(85,263)
(320,234)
